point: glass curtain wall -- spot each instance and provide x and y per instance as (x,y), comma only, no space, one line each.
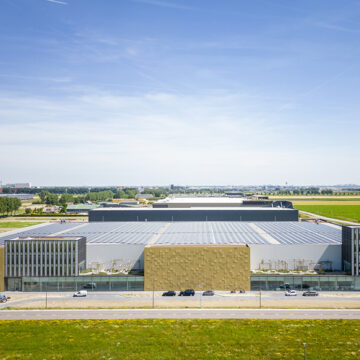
(298,282)
(89,283)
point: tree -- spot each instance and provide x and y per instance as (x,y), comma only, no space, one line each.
(52,199)
(43,195)
(66,198)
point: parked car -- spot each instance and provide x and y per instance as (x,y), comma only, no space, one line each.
(285,286)
(291,293)
(91,285)
(208,293)
(187,292)
(310,293)
(242,291)
(81,293)
(4,298)
(169,293)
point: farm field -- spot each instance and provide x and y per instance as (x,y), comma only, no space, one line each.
(179,339)
(338,211)
(315,197)
(326,202)
(17,224)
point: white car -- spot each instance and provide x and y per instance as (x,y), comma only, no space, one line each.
(291,293)
(81,293)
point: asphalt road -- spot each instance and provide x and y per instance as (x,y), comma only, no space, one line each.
(144,299)
(179,314)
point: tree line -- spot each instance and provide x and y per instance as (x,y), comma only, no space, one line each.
(54,199)
(9,205)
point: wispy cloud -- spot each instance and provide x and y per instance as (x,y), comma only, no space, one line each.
(335,27)
(58,2)
(38,78)
(154,132)
(165,4)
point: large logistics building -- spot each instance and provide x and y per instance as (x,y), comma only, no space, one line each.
(191,247)
(194,214)
(210,201)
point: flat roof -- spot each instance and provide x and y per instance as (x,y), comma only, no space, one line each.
(242,208)
(197,200)
(42,238)
(190,233)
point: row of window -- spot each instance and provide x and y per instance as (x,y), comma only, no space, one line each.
(45,270)
(37,246)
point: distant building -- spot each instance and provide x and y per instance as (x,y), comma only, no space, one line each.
(18,185)
(81,208)
(144,196)
(194,214)
(209,201)
(51,209)
(19,196)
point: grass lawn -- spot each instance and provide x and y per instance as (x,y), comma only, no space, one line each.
(180,339)
(326,202)
(341,212)
(19,224)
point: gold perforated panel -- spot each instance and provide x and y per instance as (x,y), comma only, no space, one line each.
(215,267)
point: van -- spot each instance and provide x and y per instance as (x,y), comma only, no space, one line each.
(81,293)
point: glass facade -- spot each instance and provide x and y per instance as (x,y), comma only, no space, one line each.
(305,282)
(136,283)
(75,283)
(51,256)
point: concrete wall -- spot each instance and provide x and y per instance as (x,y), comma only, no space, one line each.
(193,214)
(2,268)
(293,255)
(215,267)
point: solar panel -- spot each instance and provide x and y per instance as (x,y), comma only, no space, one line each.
(177,233)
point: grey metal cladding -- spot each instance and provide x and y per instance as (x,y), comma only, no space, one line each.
(194,214)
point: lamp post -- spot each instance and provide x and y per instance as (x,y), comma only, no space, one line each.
(304,350)
(46,295)
(200,286)
(260,297)
(117,351)
(153,295)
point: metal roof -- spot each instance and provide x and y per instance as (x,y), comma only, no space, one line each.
(232,208)
(178,233)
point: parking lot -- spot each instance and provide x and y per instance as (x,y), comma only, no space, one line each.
(146,299)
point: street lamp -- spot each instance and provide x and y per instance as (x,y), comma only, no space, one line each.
(260,297)
(200,286)
(153,295)
(304,350)
(117,351)
(46,295)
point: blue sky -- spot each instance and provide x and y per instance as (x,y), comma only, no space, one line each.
(102,92)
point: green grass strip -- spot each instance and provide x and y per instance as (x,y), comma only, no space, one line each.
(341,212)
(180,339)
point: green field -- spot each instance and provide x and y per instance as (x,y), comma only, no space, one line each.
(180,339)
(341,212)
(17,224)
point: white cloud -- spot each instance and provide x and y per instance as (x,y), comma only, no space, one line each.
(165,4)
(160,138)
(58,2)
